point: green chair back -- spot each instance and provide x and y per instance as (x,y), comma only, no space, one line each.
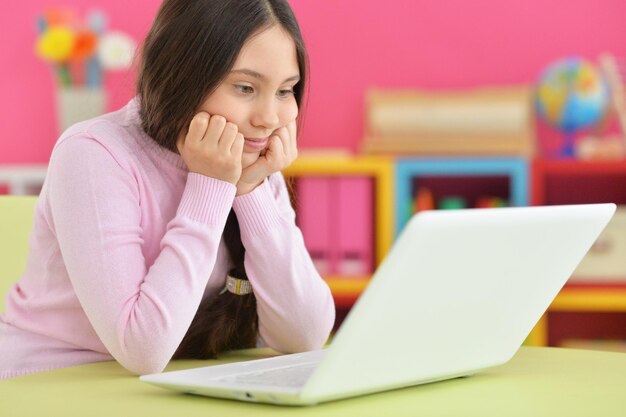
(16,222)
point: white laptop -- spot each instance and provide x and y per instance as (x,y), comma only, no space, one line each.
(458,293)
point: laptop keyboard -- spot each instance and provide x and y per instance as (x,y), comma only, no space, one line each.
(291,376)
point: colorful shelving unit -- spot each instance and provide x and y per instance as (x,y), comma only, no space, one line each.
(410,172)
(520,182)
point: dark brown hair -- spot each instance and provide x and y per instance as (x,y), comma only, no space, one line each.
(189,50)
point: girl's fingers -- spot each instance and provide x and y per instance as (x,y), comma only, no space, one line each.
(214,131)
(276,152)
(283,135)
(197,129)
(293,141)
(207,147)
(292,127)
(237,146)
(288,135)
(228,137)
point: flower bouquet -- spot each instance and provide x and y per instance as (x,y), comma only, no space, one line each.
(79,53)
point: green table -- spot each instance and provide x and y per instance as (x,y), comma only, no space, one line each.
(536,382)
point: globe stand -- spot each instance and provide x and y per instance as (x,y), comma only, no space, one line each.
(567,150)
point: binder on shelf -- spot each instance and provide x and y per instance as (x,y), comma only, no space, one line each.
(314,216)
(354,225)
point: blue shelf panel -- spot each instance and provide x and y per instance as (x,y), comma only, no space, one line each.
(407,169)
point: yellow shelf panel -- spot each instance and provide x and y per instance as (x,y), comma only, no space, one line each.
(568,300)
(575,300)
(611,300)
(348,287)
(338,165)
(539,335)
(590,299)
(346,290)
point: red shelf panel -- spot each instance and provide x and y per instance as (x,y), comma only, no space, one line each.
(577,182)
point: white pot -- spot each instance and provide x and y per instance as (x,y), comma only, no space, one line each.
(75,104)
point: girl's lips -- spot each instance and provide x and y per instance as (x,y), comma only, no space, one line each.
(256,144)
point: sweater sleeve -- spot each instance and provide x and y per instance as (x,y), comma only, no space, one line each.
(295,306)
(140,312)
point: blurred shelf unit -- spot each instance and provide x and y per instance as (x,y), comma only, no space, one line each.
(344,209)
(591,309)
(458,183)
(22,179)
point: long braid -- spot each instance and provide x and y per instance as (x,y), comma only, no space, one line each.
(227,321)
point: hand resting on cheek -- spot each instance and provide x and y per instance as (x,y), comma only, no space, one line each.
(280,153)
(212,147)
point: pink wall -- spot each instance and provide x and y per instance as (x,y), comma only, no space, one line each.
(353,44)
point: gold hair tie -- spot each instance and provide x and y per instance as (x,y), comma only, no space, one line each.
(237,286)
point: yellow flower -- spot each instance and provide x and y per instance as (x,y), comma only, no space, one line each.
(56,44)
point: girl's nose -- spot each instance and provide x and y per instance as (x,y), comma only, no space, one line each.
(266,115)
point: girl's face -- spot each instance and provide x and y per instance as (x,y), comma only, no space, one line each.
(257,94)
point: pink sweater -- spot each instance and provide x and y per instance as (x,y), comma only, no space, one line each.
(125,244)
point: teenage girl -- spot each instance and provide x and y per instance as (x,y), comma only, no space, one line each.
(164,229)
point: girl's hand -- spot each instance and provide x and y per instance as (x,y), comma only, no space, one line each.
(212,147)
(280,153)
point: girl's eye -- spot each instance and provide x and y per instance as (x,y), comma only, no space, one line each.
(285,93)
(244,89)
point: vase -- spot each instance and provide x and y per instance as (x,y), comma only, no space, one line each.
(75,104)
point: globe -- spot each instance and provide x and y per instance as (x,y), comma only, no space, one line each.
(571,95)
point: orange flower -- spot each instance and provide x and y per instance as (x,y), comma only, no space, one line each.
(85,45)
